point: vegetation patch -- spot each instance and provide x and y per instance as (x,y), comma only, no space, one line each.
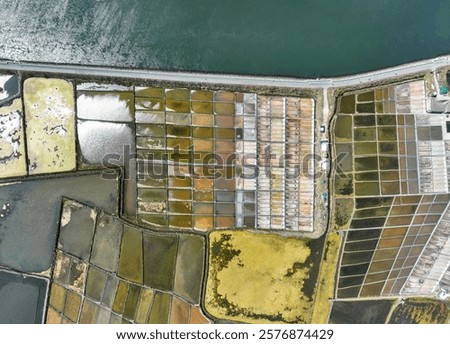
(421,311)
(258,278)
(325,287)
(343,211)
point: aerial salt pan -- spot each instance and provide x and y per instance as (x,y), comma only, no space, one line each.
(50,122)
(205,159)
(396,177)
(47,110)
(12,148)
(229,160)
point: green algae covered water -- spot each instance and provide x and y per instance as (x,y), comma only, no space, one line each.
(300,38)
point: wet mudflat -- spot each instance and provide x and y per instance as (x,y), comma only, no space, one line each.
(31,211)
(360,312)
(22,299)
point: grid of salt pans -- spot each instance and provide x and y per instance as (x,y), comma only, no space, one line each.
(285,185)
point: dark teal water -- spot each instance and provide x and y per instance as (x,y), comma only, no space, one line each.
(303,38)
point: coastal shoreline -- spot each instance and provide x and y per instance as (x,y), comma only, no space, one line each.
(356,80)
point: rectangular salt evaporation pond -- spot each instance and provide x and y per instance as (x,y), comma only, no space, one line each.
(100,140)
(50,125)
(9,88)
(22,298)
(106,106)
(108,144)
(12,148)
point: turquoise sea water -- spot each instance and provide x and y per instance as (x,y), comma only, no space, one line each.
(303,38)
